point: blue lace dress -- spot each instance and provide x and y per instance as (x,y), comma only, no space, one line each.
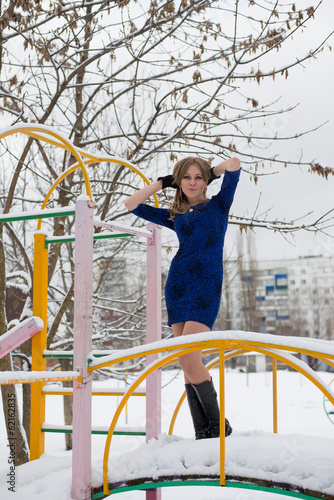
(194,283)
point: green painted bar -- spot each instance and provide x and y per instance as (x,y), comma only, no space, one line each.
(71,239)
(42,214)
(98,433)
(69,355)
(199,482)
(58,356)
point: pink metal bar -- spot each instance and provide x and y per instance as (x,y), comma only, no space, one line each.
(114,226)
(18,335)
(82,392)
(153,333)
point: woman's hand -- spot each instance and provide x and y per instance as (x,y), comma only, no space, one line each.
(167,181)
(143,194)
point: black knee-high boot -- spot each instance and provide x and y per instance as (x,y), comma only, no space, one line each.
(198,415)
(208,397)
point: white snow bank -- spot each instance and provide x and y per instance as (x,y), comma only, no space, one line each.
(46,478)
(304,461)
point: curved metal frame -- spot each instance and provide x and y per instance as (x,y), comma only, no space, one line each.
(41,132)
(93,159)
(63,142)
(272,350)
(331,419)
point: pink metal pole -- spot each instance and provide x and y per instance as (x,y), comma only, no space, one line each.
(19,334)
(82,392)
(153,333)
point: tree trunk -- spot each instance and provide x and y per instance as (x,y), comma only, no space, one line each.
(17,443)
(26,392)
(66,365)
(18,449)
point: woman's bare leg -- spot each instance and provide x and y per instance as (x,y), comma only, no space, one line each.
(191,364)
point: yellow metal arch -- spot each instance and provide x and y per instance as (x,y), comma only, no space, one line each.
(159,363)
(41,133)
(210,344)
(233,354)
(29,129)
(93,159)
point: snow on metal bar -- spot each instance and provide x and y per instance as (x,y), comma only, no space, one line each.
(96,429)
(21,377)
(297,344)
(69,354)
(38,214)
(103,391)
(18,335)
(71,239)
(122,228)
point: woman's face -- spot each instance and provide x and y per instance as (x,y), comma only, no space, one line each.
(193,185)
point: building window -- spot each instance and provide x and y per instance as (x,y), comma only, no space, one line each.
(281,281)
(247,278)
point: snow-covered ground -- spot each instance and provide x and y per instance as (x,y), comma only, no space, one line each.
(252,446)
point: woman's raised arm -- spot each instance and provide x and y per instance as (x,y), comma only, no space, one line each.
(142,195)
(232,164)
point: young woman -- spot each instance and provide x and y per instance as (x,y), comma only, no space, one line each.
(193,287)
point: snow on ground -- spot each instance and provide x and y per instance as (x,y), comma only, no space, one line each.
(304,444)
(303,461)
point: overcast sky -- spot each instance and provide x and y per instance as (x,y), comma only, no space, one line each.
(293,192)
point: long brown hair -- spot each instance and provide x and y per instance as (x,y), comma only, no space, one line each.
(180,203)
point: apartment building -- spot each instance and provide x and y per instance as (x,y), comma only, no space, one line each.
(290,296)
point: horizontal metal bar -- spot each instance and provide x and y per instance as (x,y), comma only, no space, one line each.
(101,432)
(38,214)
(240,483)
(69,354)
(114,226)
(71,239)
(68,391)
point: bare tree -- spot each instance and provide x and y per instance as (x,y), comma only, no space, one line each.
(248,276)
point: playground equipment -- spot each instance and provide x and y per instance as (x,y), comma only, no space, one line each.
(328,405)
(83,304)
(158,353)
